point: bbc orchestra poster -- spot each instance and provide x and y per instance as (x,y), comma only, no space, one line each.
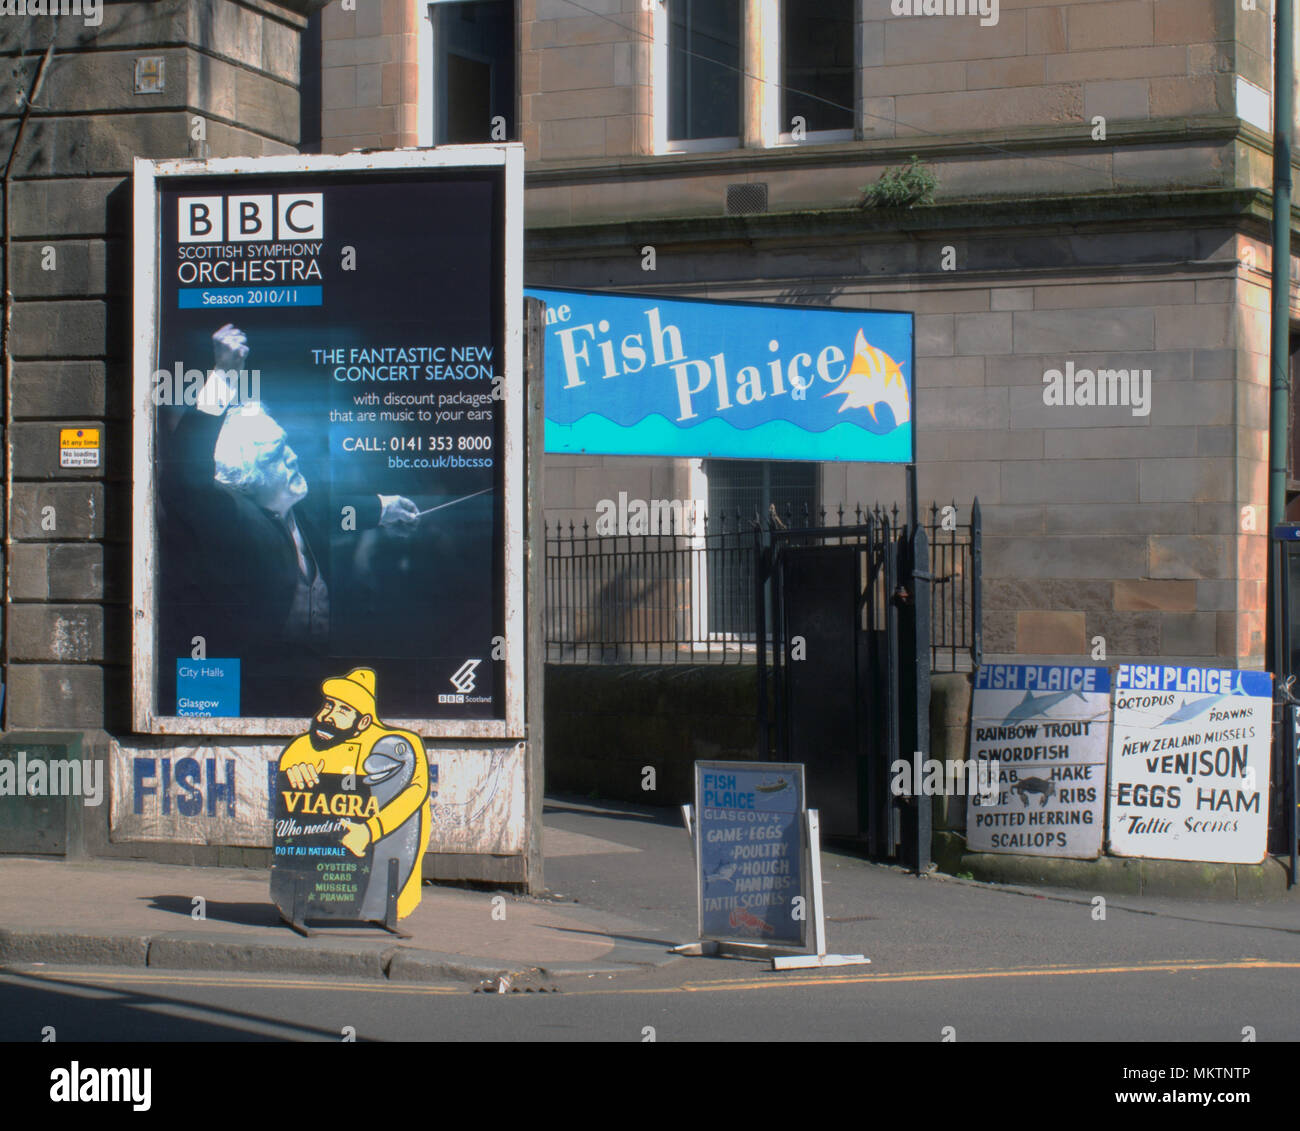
(328,432)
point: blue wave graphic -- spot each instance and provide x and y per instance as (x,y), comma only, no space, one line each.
(820,421)
(776,439)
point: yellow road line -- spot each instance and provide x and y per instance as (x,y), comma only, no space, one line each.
(240,981)
(773,982)
(977,975)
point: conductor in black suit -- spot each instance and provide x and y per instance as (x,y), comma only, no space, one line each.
(249,545)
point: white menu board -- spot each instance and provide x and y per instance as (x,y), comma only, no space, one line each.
(1044,726)
(1189,763)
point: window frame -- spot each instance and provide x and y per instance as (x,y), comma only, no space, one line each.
(662,74)
(430,116)
(813,137)
(767,17)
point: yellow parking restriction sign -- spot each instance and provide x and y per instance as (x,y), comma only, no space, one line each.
(78,447)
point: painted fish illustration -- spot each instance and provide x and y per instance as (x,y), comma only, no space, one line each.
(772,786)
(389,768)
(1028,707)
(723,874)
(874,379)
(742,920)
(1192,709)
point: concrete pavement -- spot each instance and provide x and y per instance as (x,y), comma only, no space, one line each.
(625,875)
(133,914)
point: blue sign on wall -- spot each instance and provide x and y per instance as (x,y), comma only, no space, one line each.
(646,375)
(749,825)
(207,688)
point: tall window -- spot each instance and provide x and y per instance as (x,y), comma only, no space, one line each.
(703,69)
(817,68)
(750,487)
(473,72)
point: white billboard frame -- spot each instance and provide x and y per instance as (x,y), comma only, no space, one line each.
(148,176)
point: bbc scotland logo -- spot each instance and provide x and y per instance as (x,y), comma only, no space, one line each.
(462,679)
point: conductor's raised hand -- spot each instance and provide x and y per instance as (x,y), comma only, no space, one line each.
(229,347)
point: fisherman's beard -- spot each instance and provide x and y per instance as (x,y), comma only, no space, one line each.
(322,736)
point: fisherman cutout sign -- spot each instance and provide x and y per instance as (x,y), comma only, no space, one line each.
(351,813)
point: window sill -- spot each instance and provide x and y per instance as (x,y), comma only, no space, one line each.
(701,145)
(818,137)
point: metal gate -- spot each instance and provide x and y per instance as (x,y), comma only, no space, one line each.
(847,612)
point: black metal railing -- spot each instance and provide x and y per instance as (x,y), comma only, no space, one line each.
(683,592)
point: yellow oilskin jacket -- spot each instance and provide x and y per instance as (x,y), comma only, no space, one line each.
(350,758)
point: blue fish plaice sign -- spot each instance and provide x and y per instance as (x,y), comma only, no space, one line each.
(637,374)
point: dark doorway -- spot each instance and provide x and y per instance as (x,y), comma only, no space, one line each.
(850,681)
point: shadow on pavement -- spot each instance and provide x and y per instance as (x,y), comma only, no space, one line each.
(584,808)
(243,914)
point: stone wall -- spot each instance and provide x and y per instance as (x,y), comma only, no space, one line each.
(1145,529)
(606,724)
(369,70)
(950,700)
(1046,63)
(585,86)
(999,108)
(230,88)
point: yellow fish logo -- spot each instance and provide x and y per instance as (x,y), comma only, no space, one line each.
(873,379)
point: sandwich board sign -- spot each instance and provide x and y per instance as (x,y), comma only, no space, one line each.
(751,850)
(758,866)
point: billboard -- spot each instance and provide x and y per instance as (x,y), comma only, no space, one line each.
(328,445)
(1045,728)
(637,374)
(1189,763)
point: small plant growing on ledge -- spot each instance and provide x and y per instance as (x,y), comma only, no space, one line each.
(904,187)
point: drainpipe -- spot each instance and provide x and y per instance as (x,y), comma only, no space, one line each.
(6,346)
(1283,111)
(1280,328)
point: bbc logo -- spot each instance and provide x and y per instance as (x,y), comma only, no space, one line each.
(219,219)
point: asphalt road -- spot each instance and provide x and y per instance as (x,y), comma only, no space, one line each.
(949,960)
(707,1000)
